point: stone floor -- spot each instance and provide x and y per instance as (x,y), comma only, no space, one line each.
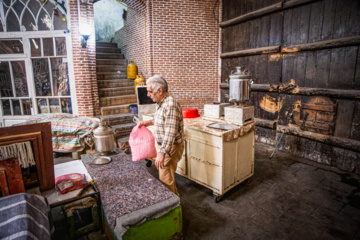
(287,198)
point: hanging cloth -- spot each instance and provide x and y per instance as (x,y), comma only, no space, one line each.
(21,151)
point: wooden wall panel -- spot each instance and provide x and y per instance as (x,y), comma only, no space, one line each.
(342,67)
(330,68)
(263,68)
(356,82)
(322,68)
(274,68)
(344,118)
(276,23)
(316,21)
(318,67)
(355,125)
(353,163)
(288,67)
(328,20)
(310,79)
(263,114)
(353,28)
(265,135)
(342,20)
(288,106)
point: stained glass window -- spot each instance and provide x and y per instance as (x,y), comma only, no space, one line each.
(33,15)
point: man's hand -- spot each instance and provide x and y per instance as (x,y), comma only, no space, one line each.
(146,123)
(159,162)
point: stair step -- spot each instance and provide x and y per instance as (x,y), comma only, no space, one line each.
(123,130)
(123,144)
(111,68)
(105,44)
(116,83)
(122,140)
(109,56)
(108,92)
(109,62)
(124,108)
(118,100)
(110,75)
(117,119)
(107,50)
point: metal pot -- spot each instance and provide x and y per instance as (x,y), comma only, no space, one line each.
(240,86)
(104,139)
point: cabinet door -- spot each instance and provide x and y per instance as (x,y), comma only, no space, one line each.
(245,156)
(205,161)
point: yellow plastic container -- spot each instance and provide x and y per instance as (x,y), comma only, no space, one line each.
(139,81)
(131,70)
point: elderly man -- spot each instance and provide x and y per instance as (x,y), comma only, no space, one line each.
(168,130)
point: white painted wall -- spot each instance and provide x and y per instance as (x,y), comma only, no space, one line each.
(108,19)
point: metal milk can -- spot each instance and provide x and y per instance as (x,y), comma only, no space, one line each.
(104,139)
(240,86)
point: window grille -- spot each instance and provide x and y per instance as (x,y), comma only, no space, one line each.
(32,15)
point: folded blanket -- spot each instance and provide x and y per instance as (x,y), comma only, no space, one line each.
(69,133)
(24,216)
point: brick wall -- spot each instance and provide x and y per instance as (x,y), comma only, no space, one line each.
(131,39)
(84,60)
(182,44)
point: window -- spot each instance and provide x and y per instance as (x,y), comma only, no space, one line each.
(33,59)
(50,72)
(32,15)
(14,92)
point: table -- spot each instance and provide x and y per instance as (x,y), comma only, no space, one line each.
(55,198)
(75,200)
(133,201)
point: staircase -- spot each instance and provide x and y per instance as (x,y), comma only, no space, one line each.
(116,91)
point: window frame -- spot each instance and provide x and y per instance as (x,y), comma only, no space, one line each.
(26,56)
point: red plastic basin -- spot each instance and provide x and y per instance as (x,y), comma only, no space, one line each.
(190,113)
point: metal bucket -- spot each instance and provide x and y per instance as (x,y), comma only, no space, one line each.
(104,139)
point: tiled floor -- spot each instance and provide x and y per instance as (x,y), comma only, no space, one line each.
(288,198)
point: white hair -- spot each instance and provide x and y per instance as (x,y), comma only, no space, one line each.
(157,82)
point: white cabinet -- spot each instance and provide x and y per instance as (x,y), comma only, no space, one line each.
(217,164)
(212,161)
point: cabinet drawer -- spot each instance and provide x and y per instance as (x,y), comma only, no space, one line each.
(209,139)
(205,152)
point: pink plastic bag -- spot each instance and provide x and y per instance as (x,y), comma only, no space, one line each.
(142,143)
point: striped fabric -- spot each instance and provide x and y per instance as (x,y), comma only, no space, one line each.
(24,216)
(67,129)
(169,126)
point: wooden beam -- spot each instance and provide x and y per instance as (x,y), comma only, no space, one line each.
(346,143)
(318,107)
(253,51)
(295,3)
(265,123)
(336,93)
(251,15)
(265,11)
(333,43)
